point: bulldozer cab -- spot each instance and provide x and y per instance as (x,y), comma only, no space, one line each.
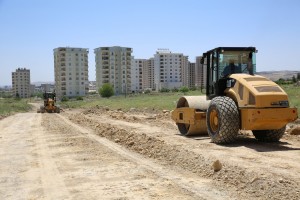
(49,98)
(49,95)
(221,62)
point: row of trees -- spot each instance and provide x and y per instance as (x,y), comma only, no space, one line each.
(292,80)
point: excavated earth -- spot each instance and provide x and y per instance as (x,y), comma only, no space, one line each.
(250,169)
(100,153)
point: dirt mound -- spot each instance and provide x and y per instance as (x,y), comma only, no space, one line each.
(245,182)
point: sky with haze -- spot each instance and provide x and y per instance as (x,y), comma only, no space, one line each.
(31,29)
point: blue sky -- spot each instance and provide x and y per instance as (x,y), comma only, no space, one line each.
(31,29)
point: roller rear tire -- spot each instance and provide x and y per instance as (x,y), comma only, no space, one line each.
(269,135)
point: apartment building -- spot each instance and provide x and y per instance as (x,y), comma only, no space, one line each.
(71,71)
(21,83)
(191,75)
(148,75)
(200,73)
(168,68)
(113,65)
(186,72)
(138,69)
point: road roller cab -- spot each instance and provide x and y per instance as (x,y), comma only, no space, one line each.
(236,99)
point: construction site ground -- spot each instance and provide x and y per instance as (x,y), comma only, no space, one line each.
(139,154)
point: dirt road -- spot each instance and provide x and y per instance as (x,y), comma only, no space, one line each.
(103,154)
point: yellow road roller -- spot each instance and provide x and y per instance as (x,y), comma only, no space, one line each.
(236,99)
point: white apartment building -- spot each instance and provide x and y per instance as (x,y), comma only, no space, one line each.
(113,65)
(71,71)
(168,69)
(138,69)
(21,83)
(200,73)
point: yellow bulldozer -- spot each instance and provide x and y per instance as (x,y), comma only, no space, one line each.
(49,103)
(236,99)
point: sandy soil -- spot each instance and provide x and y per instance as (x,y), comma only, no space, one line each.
(104,154)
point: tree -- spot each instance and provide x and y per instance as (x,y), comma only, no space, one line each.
(298,76)
(106,90)
(294,79)
(280,81)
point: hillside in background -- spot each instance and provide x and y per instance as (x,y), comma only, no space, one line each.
(275,75)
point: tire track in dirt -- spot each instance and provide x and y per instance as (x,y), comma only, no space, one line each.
(199,186)
(27,170)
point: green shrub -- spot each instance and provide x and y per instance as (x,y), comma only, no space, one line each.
(92,93)
(164,90)
(147,91)
(79,98)
(64,98)
(106,90)
(175,90)
(193,88)
(184,89)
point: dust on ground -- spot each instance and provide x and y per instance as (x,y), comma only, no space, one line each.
(139,154)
